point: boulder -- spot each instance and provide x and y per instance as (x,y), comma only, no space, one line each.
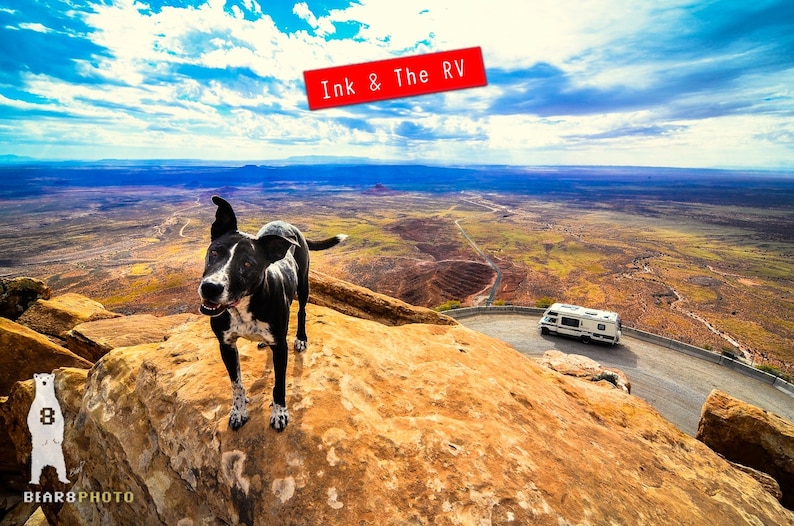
(37,519)
(410,424)
(22,514)
(365,304)
(59,315)
(585,368)
(17,294)
(752,437)
(12,474)
(24,352)
(94,339)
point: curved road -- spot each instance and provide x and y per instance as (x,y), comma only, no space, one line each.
(675,384)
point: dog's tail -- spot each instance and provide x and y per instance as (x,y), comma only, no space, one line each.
(326,243)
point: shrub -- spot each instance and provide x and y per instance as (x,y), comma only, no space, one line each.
(449,305)
(544,303)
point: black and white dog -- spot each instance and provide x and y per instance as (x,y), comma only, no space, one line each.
(248,286)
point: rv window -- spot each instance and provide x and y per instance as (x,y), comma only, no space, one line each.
(602,327)
(569,322)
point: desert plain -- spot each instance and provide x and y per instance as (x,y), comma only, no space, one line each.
(709,263)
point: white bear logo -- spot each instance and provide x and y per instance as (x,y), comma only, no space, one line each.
(45,422)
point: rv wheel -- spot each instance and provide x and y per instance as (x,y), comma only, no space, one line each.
(544,330)
(585,339)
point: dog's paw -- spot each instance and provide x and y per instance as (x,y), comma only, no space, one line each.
(237,418)
(300,345)
(239,413)
(279,417)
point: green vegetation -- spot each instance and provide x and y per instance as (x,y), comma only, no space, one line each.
(143,287)
(369,239)
(538,249)
(449,305)
(544,303)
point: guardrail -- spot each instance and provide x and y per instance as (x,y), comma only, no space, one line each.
(464,312)
(675,345)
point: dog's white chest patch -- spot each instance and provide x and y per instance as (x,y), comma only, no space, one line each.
(244,325)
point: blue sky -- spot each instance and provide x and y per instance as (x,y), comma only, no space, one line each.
(621,82)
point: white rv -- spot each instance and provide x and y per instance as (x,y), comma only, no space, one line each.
(583,323)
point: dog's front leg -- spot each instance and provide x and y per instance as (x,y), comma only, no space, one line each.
(231,359)
(301,341)
(279,416)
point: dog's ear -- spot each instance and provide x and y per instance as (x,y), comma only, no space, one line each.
(276,247)
(225,220)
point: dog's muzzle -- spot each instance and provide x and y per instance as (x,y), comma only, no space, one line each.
(211,308)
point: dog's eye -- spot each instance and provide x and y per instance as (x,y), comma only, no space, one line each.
(213,253)
(247,264)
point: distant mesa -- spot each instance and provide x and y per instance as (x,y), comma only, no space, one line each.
(381,189)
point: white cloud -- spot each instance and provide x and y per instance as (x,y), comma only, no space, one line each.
(512,33)
(35,27)
(322,27)
(189,69)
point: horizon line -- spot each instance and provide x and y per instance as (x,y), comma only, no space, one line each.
(308,160)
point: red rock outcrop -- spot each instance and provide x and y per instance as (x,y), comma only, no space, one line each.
(362,303)
(17,294)
(94,339)
(24,352)
(59,315)
(752,437)
(419,424)
(585,368)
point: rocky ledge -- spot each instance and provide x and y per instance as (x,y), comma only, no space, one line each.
(391,424)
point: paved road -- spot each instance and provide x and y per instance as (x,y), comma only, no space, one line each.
(675,384)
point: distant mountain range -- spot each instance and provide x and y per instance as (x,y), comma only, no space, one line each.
(25,177)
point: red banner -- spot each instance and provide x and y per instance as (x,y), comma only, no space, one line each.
(393,78)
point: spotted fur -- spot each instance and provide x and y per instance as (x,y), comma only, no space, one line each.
(279,417)
(239,413)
